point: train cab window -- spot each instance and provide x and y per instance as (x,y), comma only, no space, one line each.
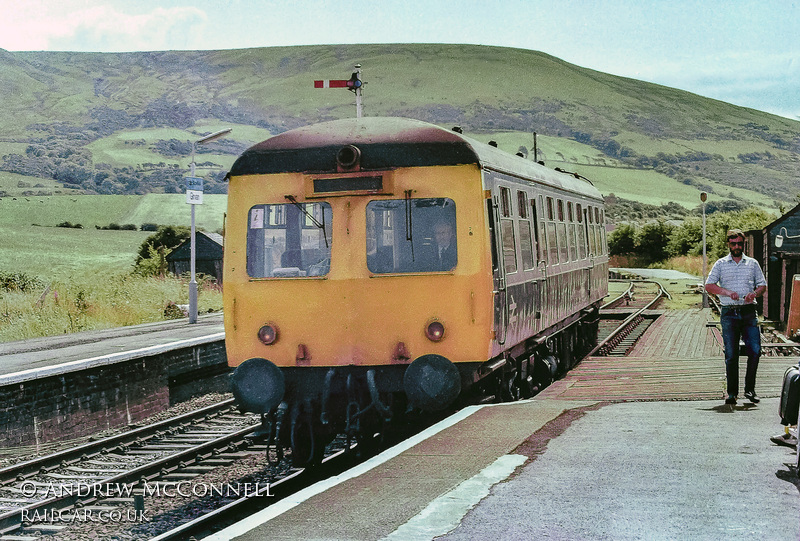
(290,240)
(411,235)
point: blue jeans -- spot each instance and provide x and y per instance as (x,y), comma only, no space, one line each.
(740,322)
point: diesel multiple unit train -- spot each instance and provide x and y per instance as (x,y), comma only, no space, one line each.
(376,266)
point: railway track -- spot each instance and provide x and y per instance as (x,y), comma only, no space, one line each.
(100,476)
(113,485)
(616,339)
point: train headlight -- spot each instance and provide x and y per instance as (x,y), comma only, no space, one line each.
(435,331)
(268,334)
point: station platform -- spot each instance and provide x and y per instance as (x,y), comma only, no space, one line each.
(107,344)
(638,447)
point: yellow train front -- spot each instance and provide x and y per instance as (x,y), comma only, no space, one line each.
(378,264)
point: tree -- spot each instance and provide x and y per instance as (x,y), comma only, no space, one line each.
(167,236)
(621,240)
(652,239)
(719,223)
(686,239)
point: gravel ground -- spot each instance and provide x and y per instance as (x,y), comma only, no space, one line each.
(18,454)
(164,512)
(161,511)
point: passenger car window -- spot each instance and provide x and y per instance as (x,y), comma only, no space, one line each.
(289,240)
(411,235)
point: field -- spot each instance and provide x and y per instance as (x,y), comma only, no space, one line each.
(82,278)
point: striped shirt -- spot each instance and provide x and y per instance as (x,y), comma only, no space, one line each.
(742,277)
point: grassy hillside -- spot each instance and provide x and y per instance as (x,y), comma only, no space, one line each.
(32,243)
(121,123)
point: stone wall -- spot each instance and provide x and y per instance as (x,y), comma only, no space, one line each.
(104,395)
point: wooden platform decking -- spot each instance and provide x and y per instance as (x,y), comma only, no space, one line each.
(679,357)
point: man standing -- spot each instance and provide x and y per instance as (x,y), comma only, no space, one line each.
(738,280)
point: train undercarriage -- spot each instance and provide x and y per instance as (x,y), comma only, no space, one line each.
(305,409)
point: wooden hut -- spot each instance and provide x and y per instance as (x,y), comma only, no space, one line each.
(780,263)
(208,256)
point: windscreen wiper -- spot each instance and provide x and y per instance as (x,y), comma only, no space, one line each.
(317,223)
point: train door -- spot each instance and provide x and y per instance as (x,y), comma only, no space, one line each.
(589,251)
(498,271)
(529,226)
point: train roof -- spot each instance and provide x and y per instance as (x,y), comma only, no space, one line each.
(388,143)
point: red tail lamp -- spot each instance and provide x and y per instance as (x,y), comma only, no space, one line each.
(268,334)
(434,331)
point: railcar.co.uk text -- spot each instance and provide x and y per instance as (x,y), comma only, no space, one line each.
(181,489)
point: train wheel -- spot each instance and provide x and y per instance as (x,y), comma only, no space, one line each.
(308,446)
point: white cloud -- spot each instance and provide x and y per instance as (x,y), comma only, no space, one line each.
(74,25)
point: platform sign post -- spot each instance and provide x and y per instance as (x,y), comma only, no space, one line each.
(703,198)
(194,197)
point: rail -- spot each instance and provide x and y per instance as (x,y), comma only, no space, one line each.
(630,323)
(137,456)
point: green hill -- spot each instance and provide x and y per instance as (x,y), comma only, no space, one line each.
(113,123)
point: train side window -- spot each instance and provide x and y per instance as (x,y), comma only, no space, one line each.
(572,230)
(509,246)
(522,205)
(526,244)
(505,202)
(552,243)
(541,242)
(583,247)
(289,240)
(411,235)
(602,229)
(525,234)
(561,228)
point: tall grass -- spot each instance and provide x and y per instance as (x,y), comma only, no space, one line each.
(690,264)
(86,303)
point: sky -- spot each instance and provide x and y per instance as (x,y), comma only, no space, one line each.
(745,52)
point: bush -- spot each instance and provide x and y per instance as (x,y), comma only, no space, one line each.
(17,281)
(652,239)
(155,264)
(70,225)
(621,240)
(168,236)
